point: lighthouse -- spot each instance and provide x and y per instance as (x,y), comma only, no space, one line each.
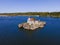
(31,21)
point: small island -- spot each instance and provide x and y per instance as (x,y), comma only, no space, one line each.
(32,24)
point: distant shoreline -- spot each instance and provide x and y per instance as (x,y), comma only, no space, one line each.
(43,14)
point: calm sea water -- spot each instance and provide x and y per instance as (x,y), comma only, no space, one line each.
(10,34)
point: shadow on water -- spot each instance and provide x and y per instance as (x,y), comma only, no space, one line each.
(29,32)
(30,36)
(25,30)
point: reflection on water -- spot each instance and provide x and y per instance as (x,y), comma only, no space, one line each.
(29,32)
(30,36)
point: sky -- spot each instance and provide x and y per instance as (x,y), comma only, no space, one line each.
(8,6)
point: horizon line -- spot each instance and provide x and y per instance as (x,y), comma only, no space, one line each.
(30,11)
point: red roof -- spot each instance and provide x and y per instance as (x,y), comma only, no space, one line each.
(32,19)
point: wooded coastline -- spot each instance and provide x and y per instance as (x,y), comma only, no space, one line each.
(46,14)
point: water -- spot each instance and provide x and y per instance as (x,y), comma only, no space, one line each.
(10,34)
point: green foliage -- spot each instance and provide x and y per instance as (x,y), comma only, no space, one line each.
(47,14)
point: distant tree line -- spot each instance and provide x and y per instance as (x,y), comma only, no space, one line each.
(48,14)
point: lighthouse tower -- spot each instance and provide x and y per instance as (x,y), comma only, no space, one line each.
(31,21)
